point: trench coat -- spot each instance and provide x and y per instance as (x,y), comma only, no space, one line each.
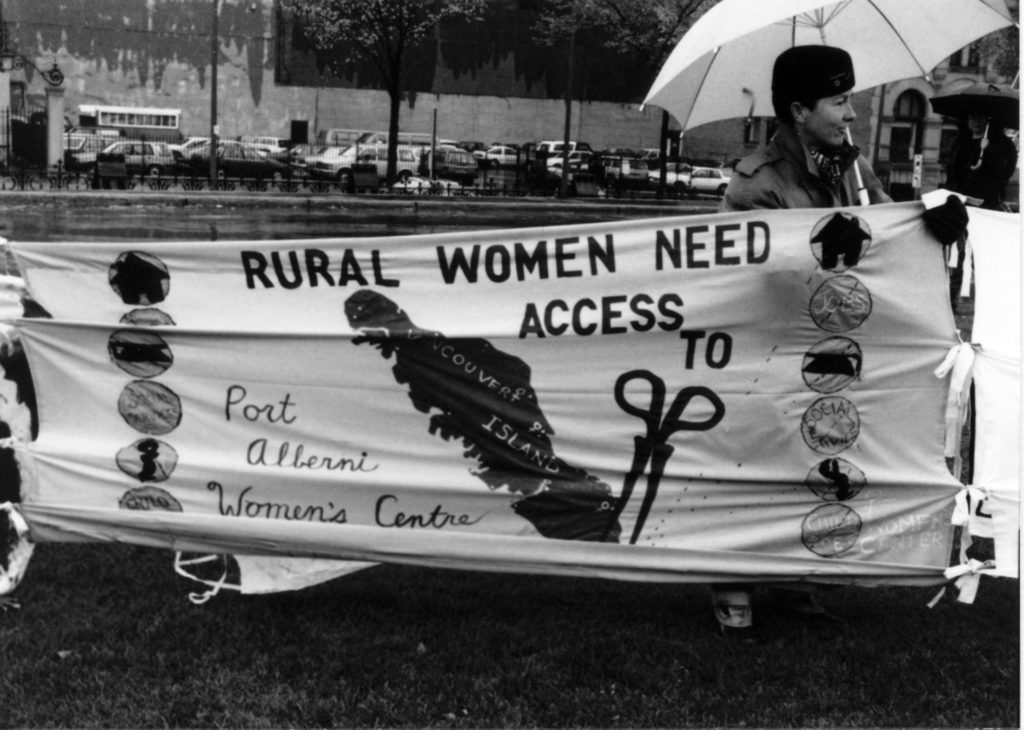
(780,174)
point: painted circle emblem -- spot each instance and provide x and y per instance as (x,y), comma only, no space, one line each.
(839,240)
(832,364)
(830,425)
(831,530)
(139,278)
(835,480)
(149,407)
(142,354)
(148,460)
(840,304)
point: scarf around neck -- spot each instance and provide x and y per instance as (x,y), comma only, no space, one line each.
(831,164)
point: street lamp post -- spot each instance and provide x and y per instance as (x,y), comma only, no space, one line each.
(214,54)
(10,60)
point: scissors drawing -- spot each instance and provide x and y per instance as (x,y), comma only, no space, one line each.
(653,445)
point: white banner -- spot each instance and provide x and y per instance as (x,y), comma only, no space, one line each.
(697,398)
(999,448)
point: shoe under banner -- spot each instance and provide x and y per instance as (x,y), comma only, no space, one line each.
(764,396)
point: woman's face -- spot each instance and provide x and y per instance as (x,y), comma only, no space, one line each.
(977,123)
(825,125)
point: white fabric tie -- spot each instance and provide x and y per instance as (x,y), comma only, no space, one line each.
(959,365)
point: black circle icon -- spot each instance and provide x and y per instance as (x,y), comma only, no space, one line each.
(148,460)
(832,364)
(139,278)
(839,240)
(142,354)
(835,480)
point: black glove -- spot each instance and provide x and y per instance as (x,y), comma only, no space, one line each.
(947,222)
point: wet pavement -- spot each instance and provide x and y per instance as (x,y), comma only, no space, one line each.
(110,216)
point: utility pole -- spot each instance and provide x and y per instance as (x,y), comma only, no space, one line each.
(564,188)
(214,56)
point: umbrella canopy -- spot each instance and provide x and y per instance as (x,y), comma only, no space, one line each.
(722,67)
(993,101)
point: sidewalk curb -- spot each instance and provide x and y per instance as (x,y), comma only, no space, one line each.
(339,202)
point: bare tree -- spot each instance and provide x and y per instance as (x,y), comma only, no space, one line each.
(380,32)
(646,30)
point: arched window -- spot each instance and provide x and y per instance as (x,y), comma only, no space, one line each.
(966,58)
(907,128)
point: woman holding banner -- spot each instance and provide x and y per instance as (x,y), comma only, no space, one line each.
(809,163)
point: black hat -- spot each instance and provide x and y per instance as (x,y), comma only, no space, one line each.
(810,73)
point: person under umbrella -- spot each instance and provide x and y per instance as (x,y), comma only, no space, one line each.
(981,162)
(982,158)
(809,163)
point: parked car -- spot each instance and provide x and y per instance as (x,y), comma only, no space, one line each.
(554,147)
(144,158)
(184,149)
(423,186)
(677,175)
(503,155)
(326,163)
(579,159)
(300,153)
(275,147)
(80,151)
(407,163)
(708,180)
(620,169)
(452,163)
(477,149)
(335,163)
(235,159)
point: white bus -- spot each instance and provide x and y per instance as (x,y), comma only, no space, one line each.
(150,123)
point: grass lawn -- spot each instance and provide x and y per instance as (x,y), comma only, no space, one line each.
(106,637)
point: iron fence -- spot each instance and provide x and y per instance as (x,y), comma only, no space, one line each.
(96,159)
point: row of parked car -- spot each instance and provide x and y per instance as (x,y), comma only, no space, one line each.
(274,158)
(141,157)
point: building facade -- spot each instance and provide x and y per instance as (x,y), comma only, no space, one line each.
(490,82)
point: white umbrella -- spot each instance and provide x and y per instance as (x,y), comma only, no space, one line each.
(722,67)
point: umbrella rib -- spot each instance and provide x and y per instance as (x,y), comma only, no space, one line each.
(881,13)
(700,86)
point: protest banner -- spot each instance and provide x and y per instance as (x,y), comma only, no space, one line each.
(739,396)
